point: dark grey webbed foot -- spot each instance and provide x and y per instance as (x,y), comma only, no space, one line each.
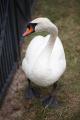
(50,101)
(32,92)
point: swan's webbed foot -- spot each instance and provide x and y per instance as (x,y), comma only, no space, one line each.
(32,92)
(50,101)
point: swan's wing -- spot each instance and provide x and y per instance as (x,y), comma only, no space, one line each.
(58,60)
(58,50)
(35,47)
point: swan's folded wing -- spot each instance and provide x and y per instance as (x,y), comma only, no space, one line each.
(35,47)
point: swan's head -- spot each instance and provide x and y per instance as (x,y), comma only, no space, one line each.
(40,24)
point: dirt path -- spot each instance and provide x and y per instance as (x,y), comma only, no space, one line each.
(12,108)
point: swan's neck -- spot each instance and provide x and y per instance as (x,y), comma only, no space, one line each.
(53,35)
(51,41)
(47,50)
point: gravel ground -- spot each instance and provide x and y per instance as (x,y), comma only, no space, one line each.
(12,108)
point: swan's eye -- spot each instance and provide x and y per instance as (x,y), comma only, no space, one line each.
(31,25)
(30,29)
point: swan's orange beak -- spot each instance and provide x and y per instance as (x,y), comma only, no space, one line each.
(28,31)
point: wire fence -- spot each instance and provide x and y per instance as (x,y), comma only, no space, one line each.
(11,17)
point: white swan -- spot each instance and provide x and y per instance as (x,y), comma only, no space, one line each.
(44,62)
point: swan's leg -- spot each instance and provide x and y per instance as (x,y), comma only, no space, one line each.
(32,91)
(50,100)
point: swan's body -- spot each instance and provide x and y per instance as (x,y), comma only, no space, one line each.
(44,62)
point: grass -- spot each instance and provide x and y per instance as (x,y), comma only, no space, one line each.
(66,15)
